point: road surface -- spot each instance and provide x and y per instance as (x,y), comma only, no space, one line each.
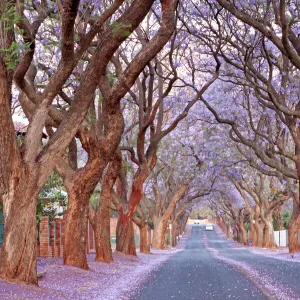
(210,268)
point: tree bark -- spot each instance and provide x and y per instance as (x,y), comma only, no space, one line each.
(294,226)
(236,236)
(100,219)
(183,224)
(228,233)
(125,234)
(259,233)
(75,230)
(102,235)
(269,237)
(159,232)
(160,220)
(242,234)
(241,228)
(253,231)
(18,183)
(226,228)
(18,254)
(101,226)
(174,236)
(125,242)
(144,241)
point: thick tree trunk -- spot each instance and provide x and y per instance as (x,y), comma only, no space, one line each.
(259,233)
(161,220)
(79,193)
(241,228)
(125,235)
(269,237)
(228,233)
(253,232)
(101,218)
(236,236)
(150,237)
(253,236)
(158,241)
(183,224)
(18,254)
(75,230)
(159,232)
(144,241)
(293,229)
(242,234)
(18,183)
(174,236)
(221,224)
(102,232)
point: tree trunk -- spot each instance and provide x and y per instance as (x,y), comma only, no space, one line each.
(158,241)
(150,237)
(253,232)
(269,237)
(18,254)
(183,224)
(174,236)
(76,228)
(144,241)
(253,236)
(228,233)
(102,232)
(241,228)
(100,219)
(161,220)
(125,235)
(80,191)
(235,233)
(18,183)
(259,233)
(293,229)
(159,232)
(242,234)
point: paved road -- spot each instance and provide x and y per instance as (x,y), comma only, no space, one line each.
(209,268)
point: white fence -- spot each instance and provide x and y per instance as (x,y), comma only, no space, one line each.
(281,238)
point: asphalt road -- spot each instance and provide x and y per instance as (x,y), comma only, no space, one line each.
(209,268)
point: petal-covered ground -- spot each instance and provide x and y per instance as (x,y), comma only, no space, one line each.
(102,281)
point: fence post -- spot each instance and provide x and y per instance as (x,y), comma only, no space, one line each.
(62,232)
(57,238)
(44,236)
(51,239)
